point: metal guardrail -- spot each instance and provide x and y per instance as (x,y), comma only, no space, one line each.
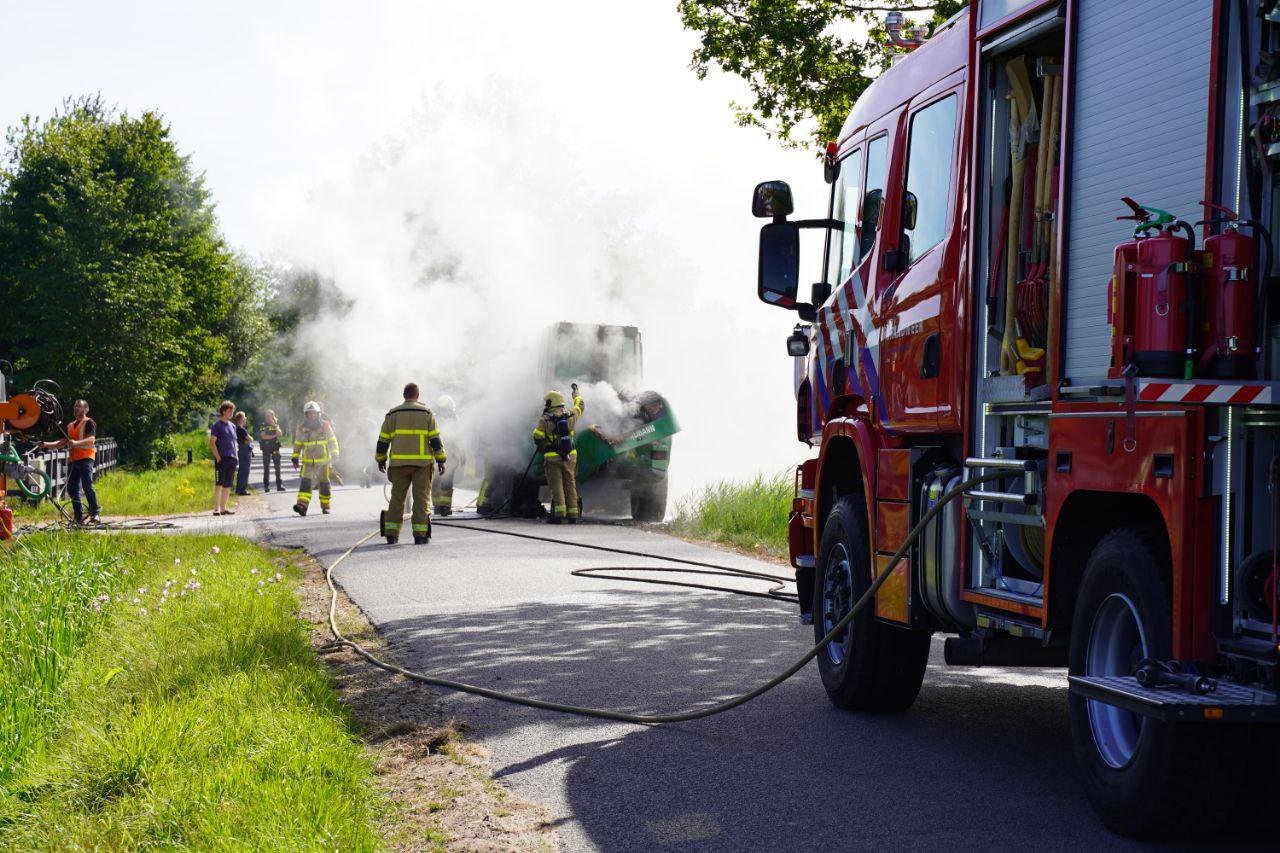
(58,464)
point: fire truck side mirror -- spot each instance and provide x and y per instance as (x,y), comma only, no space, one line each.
(779,272)
(772,199)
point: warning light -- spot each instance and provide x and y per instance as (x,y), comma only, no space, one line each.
(1213,713)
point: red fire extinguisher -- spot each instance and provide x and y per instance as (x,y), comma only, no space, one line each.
(1163,321)
(1229,282)
(1120,294)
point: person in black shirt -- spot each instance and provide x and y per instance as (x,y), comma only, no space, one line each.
(245,458)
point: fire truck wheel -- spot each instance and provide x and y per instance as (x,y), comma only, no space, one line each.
(872,665)
(1143,777)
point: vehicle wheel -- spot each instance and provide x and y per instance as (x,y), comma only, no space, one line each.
(1143,777)
(872,665)
(649,503)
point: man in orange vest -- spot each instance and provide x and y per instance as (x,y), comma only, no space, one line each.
(81,438)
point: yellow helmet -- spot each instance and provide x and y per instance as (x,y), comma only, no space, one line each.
(553,399)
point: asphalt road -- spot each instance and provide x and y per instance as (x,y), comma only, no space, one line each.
(982,761)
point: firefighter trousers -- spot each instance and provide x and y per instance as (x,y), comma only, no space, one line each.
(442,489)
(317,474)
(403,477)
(562,481)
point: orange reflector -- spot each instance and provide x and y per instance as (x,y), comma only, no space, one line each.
(1213,713)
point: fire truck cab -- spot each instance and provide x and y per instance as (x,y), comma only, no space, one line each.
(1049,257)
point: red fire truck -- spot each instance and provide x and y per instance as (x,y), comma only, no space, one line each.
(1048,257)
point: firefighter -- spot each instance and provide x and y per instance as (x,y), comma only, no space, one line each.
(334,473)
(442,487)
(269,435)
(408,449)
(554,437)
(315,446)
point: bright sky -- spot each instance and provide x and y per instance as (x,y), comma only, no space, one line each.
(271,98)
(275,99)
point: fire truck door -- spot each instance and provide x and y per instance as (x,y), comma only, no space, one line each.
(919,265)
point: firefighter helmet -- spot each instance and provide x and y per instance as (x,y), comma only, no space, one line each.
(446,406)
(553,399)
(311,406)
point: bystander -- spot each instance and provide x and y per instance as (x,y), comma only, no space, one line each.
(222,441)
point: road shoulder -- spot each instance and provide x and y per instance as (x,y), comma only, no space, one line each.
(440,784)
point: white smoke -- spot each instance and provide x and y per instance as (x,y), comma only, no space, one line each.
(497,213)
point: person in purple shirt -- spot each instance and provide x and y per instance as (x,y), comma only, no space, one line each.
(223,443)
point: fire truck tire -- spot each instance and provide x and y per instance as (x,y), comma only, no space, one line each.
(1144,777)
(874,666)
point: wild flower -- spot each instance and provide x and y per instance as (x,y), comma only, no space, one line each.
(177,561)
(193,571)
(137,601)
(279,576)
(143,611)
(253,571)
(216,549)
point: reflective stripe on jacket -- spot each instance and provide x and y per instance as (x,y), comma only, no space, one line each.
(409,436)
(315,443)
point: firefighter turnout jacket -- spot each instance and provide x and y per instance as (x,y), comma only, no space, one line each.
(315,443)
(409,436)
(554,432)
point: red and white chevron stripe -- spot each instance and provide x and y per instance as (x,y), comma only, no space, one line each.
(1150,391)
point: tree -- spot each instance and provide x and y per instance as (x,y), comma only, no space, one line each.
(805,61)
(114,277)
(283,373)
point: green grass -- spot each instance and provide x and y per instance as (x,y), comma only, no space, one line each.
(176,489)
(750,515)
(163,718)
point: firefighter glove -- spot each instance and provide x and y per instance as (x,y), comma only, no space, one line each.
(382,466)
(295,463)
(440,468)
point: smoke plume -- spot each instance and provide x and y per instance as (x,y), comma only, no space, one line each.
(490,218)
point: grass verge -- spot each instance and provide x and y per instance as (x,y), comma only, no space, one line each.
(175,489)
(166,694)
(750,515)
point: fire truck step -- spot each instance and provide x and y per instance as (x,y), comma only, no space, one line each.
(1229,703)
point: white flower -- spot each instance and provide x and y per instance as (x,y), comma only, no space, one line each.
(253,571)
(177,561)
(137,601)
(216,549)
(279,576)
(184,592)
(143,611)
(193,571)
(142,590)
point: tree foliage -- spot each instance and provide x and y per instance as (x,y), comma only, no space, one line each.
(805,61)
(283,373)
(114,277)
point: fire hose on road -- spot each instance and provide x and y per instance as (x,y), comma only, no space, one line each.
(700,568)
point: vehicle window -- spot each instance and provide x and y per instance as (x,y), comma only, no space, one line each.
(844,207)
(873,200)
(929,164)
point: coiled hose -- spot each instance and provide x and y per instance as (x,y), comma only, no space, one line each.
(649,719)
